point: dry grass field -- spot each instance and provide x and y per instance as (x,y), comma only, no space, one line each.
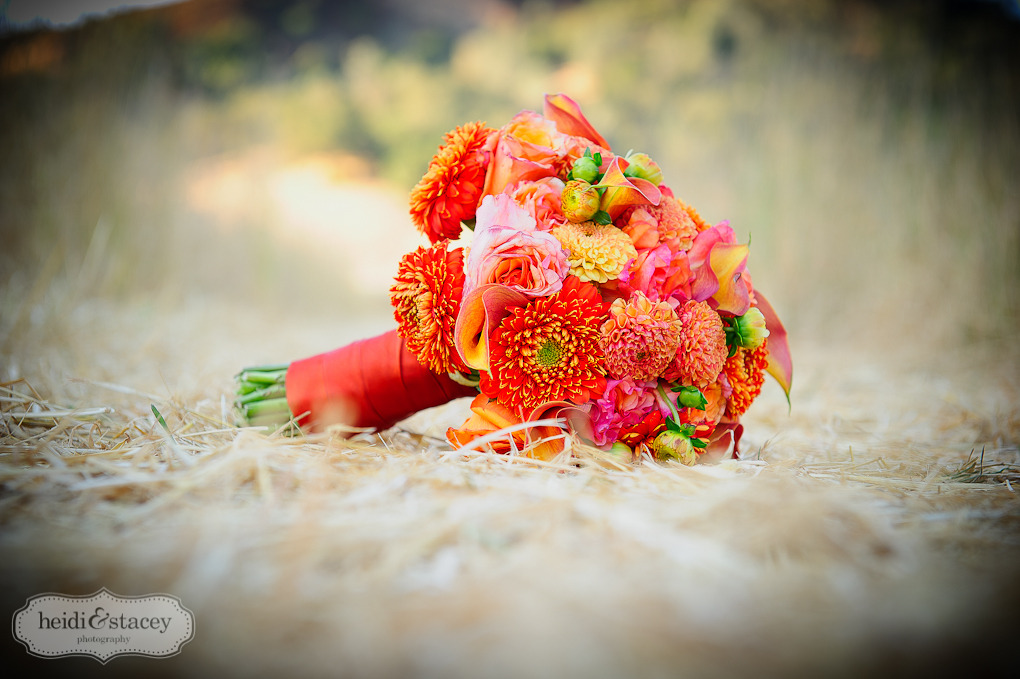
(159,240)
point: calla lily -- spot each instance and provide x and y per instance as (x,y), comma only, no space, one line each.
(718,262)
(780,361)
(487,416)
(543,441)
(567,115)
(480,312)
(621,191)
(548,439)
(724,441)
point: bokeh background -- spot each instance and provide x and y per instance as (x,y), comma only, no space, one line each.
(259,152)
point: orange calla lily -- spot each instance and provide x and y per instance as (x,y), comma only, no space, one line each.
(487,416)
(480,312)
(780,361)
(543,441)
(622,191)
(567,115)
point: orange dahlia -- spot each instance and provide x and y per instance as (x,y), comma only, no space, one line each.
(745,371)
(449,192)
(548,350)
(702,352)
(426,300)
(699,223)
(640,338)
(673,222)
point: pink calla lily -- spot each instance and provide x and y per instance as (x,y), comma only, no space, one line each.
(780,361)
(480,312)
(621,191)
(728,263)
(567,115)
(718,262)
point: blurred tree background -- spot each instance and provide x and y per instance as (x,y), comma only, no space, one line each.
(870,150)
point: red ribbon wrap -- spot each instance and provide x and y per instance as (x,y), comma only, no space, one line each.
(373,382)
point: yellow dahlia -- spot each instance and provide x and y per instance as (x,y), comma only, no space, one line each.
(426,300)
(702,352)
(745,371)
(449,192)
(640,338)
(597,252)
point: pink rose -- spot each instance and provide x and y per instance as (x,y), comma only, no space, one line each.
(659,273)
(508,250)
(522,150)
(541,198)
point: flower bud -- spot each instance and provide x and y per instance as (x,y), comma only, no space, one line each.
(690,397)
(621,452)
(640,165)
(676,445)
(750,330)
(585,168)
(579,200)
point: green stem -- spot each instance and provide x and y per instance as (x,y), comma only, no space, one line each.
(273,376)
(272,406)
(270,392)
(672,407)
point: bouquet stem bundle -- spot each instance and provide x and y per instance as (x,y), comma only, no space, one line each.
(371,383)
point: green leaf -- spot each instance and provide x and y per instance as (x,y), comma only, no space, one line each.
(159,418)
(671,425)
(699,443)
(602,217)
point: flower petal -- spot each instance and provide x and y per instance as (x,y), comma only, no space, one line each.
(780,361)
(481,311)
(728,263)
(567,115)
(622,191)
(549,439)
(487,416)
(513,161)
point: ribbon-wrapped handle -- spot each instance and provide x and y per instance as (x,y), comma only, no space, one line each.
(374,382)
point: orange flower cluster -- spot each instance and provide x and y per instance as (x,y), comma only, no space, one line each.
(745,371)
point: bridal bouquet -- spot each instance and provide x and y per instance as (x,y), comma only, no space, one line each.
(569,290)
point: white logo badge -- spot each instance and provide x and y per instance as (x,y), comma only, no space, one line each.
(103,625)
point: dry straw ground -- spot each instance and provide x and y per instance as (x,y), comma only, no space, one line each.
(873,528)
